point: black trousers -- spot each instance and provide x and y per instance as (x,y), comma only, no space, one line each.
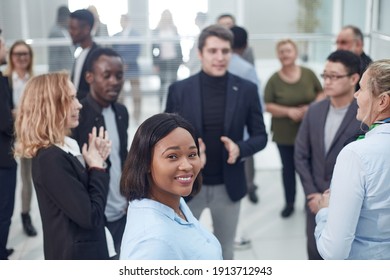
(7,202)
(288,172)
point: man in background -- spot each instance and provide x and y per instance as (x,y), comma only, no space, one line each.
(61,57)
(326,127)
(104,74)
(242,68)
(351,39)
(228,20)
(80,28)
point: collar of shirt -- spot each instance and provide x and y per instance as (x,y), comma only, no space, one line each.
(15,77)
(164,209)
(70,146)
(378,129)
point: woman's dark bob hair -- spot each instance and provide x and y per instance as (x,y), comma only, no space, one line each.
(135,178)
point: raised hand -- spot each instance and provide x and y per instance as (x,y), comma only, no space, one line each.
(232,148)
(98,148)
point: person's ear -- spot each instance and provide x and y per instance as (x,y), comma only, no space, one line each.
(89,77)
(355,78)
(384,102)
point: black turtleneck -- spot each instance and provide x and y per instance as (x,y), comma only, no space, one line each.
(213,90)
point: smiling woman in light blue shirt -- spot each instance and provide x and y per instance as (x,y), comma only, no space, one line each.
(155,231)
(163,166)
(354,219)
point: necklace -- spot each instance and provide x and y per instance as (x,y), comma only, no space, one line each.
(180,214)
(375,124)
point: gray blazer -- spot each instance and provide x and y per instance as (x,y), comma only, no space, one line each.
(314,167)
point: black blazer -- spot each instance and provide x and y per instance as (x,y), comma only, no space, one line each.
(242,110)
(71,202)
(90,116)
(6,126)
(83,88)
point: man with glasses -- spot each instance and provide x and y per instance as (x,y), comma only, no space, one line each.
(351,39)
(326,127)
(8,165)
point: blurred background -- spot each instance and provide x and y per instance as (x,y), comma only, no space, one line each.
(312,23)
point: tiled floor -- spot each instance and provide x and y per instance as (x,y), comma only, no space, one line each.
(273,238)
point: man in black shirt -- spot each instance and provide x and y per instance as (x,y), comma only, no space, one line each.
(220,105)
(351,39)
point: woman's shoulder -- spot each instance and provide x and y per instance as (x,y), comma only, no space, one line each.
(51,153)
(307,71)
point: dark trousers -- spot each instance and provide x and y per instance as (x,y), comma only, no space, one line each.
(288,172)
(7,202)
(116,229)
(250,173)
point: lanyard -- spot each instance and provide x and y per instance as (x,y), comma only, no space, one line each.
(375,124)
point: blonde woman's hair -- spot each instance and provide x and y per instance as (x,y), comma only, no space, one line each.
(378,83)
(286,41)
(379,77)
(41,117)
(11,66)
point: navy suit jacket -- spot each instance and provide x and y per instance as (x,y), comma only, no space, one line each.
(314,166)
(243,110)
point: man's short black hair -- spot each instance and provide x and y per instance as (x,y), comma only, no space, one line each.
(62,14)
(85,16)
(94,56)
(240,37)
(350,60)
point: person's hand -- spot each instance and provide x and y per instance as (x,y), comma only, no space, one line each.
(296,113)
(313,202)
(324,201)
(98,148)
(202,152)
(232,148)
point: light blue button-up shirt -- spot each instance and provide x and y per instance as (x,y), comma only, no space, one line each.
(356,225)
(155,232)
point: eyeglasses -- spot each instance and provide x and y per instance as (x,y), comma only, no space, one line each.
(20,54)
(334,77)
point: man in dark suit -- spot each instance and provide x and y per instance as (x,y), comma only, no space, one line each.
(220,105)
(80,28)
(8,165)
(60,57)
(100,108)
(351,38)
(325,129)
